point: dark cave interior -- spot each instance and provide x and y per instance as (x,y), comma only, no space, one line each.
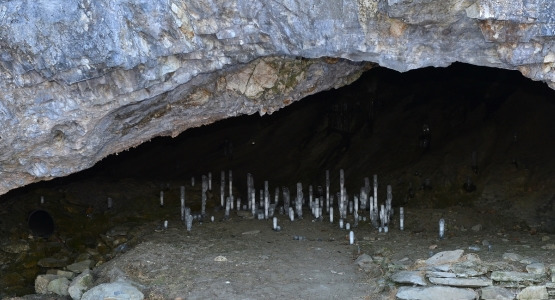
(463,136)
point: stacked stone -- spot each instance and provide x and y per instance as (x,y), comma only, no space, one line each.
(452,275)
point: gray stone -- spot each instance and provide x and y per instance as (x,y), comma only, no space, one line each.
(116,290)
(59,286)
(16,247)
(461,282)
(81,266)
(363,259)
(101,90)
(441,268)
(512,256)
(441,274)
(469,268)
(366,263)
(533,293)
(477,227)
(552,271)
(515,276)
(435,293)
(496,293)
(529,260)
(412,277)
(445,257)
(66,274)
(42,281)
(536,268)
(80,284)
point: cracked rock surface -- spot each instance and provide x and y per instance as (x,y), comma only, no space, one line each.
(81,79)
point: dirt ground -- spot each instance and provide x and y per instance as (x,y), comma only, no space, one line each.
(308,259)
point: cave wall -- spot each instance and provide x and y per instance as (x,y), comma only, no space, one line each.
(83,79)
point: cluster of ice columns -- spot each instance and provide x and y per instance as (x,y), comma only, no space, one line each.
(362,207)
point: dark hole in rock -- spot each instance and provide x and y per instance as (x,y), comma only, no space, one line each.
(41,223)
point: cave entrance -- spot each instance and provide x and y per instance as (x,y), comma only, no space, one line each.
(471,146)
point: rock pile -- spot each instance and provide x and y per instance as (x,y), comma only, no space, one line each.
(82,287)
(455,275)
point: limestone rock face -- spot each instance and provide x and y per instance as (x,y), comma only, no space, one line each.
(82,79)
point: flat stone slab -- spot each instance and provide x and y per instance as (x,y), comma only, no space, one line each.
(533,293)
(441,274)
(469,269)
(445,257)
(81,266)
(496,293)
(411,277)
(435,293)
(462,282)
(515,276)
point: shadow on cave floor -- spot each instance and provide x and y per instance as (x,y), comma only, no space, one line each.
(485,166)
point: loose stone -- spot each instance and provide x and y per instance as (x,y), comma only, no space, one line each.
(533,293)
(114,290)
(512,257)
(496,293)
(80,266)
(536,268)
(80,284)
(445,257)
(59,286)
(42,281)
(435,293)
(411,277)
(461,282)
(441,274)
(511,276)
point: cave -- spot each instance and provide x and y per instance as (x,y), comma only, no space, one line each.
(470,146)
(132,131)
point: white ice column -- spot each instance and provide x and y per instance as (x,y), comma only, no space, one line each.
(182,198)
(328,190)
(203,196)
(222,189)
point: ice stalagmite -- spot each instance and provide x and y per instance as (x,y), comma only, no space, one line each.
(299,200)
(182,198)
(310,194)
(441,229)
(286,199)
(222,189)
(401,218)
(266,199)
(328,190)
(231,187)
(389,203)
(203,196)
(209,181)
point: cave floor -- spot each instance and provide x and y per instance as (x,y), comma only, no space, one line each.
(243,258)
